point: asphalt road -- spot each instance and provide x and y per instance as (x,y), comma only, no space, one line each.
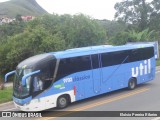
(145,97)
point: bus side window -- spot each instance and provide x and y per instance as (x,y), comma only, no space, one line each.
(81,63)
(141,54)
(95,61)
(115,58)
(133,55)
(72,65)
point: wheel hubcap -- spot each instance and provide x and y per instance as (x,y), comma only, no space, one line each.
(63,101)
(132,84)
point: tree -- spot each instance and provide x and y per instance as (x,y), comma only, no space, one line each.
(78,30)
(135,12)
(139,14)
(112,27)
(134,36)
(18,18)
(155,16)
(46,34)
(7,30)
(27,44)
(83,31)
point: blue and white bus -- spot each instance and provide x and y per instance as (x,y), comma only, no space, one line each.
(58,78)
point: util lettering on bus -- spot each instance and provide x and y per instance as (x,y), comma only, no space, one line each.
(143,69)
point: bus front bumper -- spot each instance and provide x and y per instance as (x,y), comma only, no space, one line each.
(32,107)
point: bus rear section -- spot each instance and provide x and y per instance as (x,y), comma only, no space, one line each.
(122,66)
(109,71)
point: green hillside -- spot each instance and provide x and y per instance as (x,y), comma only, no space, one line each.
(23,7)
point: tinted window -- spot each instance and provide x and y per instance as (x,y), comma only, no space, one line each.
(141,54)
(69,66)
(47,70)
(114,58)
(95,61)
(44,79)
(121,57)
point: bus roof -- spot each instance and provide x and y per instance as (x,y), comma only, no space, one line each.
(95,49)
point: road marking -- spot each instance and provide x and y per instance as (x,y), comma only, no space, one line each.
(9,109)
(98,103)
(157,118)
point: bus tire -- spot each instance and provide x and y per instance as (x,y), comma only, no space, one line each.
(62,101)
(132,84)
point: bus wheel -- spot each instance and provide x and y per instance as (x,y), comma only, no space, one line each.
(132,84)
(62,102)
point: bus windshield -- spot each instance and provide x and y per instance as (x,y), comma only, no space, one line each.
(20,91)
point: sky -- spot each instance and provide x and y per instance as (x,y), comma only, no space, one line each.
(97,9)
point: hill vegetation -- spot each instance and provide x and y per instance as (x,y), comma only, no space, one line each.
(20,7)
(20,40)
(47,33)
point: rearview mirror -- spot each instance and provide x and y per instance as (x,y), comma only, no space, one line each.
(8,74)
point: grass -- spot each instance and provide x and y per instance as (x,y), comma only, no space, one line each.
(158,62)
(6,95)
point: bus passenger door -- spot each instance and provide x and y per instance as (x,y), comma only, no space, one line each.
(96,72)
